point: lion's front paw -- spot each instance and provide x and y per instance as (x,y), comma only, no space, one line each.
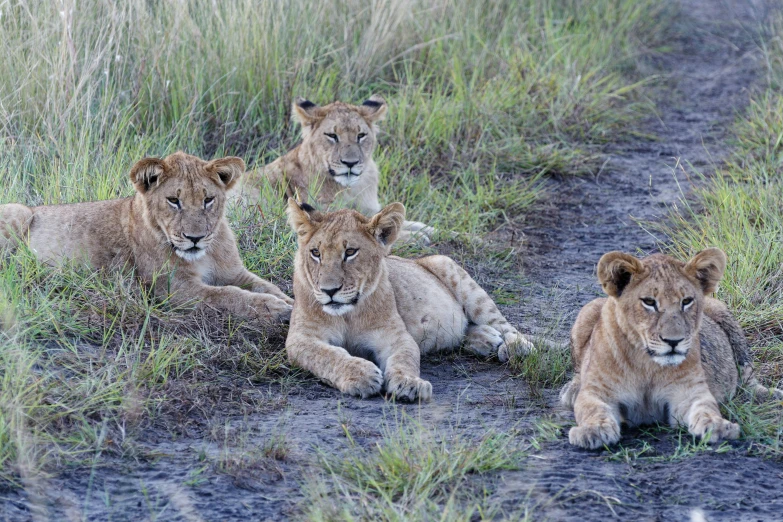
(719,429)
(594,436)
(413,238)
(408,388)
(360,378)
(274,310)
(514,343)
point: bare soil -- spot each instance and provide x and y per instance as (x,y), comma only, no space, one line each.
(187,475)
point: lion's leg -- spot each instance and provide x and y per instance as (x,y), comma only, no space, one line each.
(570,391)
(399,357)
(266,308)
(14,224)
(478,305)
(696,408)
(483,340)
(333,364)
(598,422)
(413,231)
(248,280)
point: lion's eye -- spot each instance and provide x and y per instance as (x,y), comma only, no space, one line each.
(332,137)
(687,302)
(174,202)
(649,302)
(315,253)
(350,252)
(361,136)
(208,202)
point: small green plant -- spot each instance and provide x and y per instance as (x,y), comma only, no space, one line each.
(412,471)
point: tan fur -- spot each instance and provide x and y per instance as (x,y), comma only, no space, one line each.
(355,302)
(333,166)
(178,200)
(669,362)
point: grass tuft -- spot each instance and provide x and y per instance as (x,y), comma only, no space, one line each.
(412,472)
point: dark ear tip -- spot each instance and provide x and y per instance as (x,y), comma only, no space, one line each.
(307,207)
(304,103)
(372,103)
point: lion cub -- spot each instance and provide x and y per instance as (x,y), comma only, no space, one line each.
(333,166)
(355,302)
(656,350)
(172,231)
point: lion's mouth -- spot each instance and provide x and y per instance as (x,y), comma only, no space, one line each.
(189,254)
(349,172)
(338,307)
(670,358)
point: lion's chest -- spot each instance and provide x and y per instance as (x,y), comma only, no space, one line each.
(642,403)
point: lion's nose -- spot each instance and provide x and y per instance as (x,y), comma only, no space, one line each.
(672,342)
(331,291)
(349,164)
(195,239)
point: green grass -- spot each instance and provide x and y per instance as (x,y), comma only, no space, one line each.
(412,472)
(484,101)
(739,211)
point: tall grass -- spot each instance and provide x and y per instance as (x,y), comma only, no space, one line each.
(484,99)
(739,211)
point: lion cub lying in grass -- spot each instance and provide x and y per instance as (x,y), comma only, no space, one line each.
(172,231)
(355,302)
(334,160)
(656,350)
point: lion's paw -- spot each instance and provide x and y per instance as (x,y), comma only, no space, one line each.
(409,388)
(569,392)
(360,378)
(594,436)
(719,429)
(483,340)
(274,310)
(514,343)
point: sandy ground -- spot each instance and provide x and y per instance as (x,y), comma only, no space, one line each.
(707,84)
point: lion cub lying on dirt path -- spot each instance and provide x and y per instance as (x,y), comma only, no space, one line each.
(657,349)
(334,160)
(354,300)
(173,231)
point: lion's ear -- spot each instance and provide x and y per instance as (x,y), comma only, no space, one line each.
(147,173)
(374,109)
(306,112)
(615,270)
(385,225)
(229,170)
(707,268)
(302,217)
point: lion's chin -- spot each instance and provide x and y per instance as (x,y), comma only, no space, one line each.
(191,254)
(338,308)
(674,359)
(345,178)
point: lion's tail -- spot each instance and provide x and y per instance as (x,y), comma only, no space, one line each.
(742,356)
(15,222)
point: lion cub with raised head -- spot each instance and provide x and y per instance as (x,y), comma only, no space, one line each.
(355,302)
(172,231)
(656,350)
(334,160)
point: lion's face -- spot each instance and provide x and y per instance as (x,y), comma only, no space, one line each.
(341,253)
(660,299)
(184,197)
(343,136)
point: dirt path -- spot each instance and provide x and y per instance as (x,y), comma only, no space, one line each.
(583,219)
